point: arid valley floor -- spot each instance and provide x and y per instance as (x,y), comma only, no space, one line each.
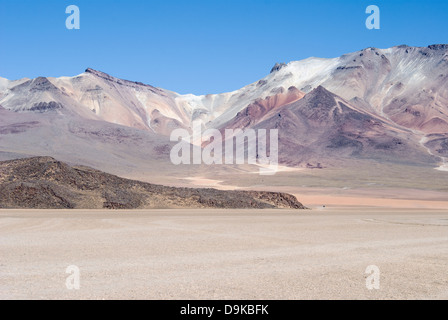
(321,253)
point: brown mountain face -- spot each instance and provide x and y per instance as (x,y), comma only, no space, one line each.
(409,85)
(93,95)
(322,129)
(43,182)
(262,108)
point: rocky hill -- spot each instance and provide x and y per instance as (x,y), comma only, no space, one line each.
(45,183)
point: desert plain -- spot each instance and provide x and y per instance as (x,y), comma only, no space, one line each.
(320,253)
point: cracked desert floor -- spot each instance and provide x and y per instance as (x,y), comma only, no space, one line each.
(225,254)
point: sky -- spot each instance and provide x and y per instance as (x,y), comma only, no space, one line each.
(205,46)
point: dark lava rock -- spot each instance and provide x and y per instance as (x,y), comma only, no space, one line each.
(45,183)
(438,47)
(46,106)
(277,67)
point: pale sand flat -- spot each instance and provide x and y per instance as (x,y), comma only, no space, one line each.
(224,254)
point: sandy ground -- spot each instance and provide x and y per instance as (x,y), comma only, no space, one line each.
(381,198)
(397,198)
(318,193)
(217,254)
(199,182)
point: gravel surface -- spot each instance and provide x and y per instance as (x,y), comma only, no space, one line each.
(224,254)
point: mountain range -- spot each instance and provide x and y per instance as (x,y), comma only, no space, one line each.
(373,105)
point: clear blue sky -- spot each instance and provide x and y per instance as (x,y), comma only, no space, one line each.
(205,46)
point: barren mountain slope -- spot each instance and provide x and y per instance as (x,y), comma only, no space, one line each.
(399,96)
(323,130)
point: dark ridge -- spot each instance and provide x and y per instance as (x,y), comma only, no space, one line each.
(320,90)
(36,85)
(277,67)
(46,106)
(128,83)
(320,98)
(45,183)
(438,47)
(42,84)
